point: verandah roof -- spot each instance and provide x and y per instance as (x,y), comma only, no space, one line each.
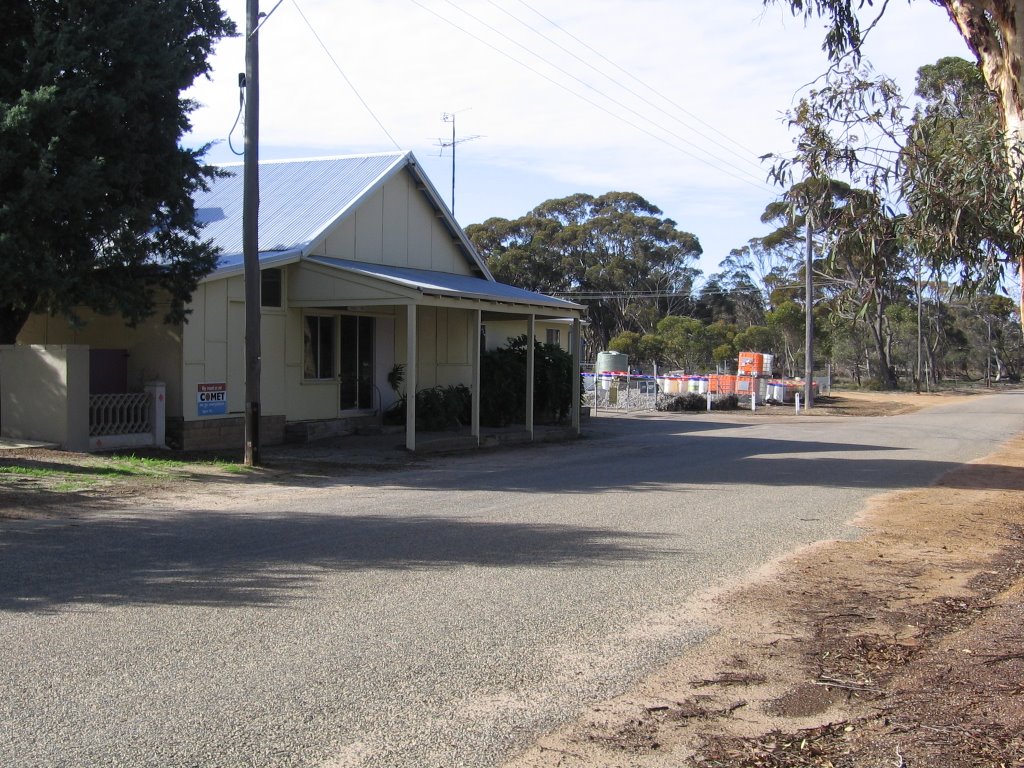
(446,284)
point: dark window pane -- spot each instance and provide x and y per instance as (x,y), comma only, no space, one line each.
(271,287)
(365,362)
(318,348)
(326,367)
(348,366)
(310,344)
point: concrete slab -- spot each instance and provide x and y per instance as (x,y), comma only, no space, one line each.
(14,444)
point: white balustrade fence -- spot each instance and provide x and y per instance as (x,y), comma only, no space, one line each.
(128,420)
(119,414)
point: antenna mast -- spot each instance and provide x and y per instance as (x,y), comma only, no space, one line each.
(449,117)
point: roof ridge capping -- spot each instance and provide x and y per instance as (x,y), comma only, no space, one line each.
(397,154)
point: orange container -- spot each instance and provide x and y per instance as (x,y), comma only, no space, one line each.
(721,384)
(751,364)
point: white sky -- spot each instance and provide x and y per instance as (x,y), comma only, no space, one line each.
(733,66)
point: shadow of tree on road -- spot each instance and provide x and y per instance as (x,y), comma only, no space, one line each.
(224,559)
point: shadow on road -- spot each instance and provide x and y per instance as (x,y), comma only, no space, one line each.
(224,559)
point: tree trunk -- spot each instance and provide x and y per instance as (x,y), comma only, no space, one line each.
(886,375)
(991,30)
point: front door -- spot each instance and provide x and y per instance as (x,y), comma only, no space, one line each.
(356,365)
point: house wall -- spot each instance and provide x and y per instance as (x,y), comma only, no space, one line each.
(154,347)
(396,226)
(213,350)
(443,346)
(214,344)
(44,393)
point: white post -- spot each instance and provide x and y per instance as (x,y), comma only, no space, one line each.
(798,402)
(410,377)
(157,392)
(576,347)
(753,396)
(531,331)
(709,399)
(474,418)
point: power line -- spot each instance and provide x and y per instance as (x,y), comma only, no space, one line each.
(345,77)
(663,140)
(657,93)
(745,157)
(598,91)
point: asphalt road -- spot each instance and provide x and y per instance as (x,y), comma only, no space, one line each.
(441,615)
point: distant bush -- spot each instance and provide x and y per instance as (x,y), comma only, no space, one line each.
(693,402)
(727,403)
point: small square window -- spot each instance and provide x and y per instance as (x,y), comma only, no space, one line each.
(554,336)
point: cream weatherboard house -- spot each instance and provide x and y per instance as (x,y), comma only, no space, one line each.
(362,268)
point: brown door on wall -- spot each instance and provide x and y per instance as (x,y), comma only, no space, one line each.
(108,371)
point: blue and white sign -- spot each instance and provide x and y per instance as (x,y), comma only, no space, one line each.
(212,399)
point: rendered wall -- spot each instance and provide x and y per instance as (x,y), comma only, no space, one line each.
(154,348)
(44,394)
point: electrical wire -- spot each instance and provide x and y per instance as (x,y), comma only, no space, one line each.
(266,18)
(747,153)
(601,93)
(681,108)
(345,77)
(761,187)
(241,107)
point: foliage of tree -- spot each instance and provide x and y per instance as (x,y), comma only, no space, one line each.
(614,252)
(954,176)
(95,191)
(932,190)
(991,29)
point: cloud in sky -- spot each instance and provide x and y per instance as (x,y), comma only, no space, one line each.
(673,99)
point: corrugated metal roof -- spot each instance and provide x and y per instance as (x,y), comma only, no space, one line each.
(447,284)
(298,200)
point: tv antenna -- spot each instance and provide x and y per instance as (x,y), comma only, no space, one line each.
(449,117)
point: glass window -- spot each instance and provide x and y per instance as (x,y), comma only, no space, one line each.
(554,336)
(356,363)
(271,287)
(318,347)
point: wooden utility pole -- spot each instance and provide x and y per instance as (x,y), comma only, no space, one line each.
(250,235)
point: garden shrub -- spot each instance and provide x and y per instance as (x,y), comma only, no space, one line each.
(443,408)
(503,384)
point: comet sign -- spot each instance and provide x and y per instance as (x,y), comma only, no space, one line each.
(212,399)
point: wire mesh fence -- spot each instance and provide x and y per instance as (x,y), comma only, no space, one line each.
(628,392)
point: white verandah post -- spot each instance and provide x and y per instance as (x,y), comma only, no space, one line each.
(576,345)
(531,332)
(474,418)
(410,377)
